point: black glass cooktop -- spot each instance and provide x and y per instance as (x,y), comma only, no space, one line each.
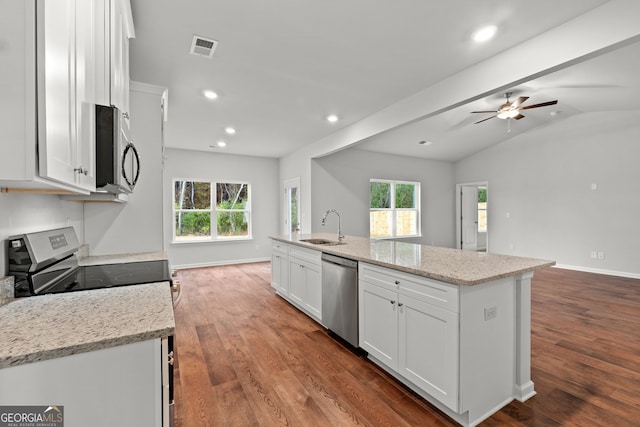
(110,275)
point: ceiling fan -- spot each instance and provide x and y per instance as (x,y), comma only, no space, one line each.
(511,110)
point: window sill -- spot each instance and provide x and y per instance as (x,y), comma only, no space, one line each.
(417,236)
(209,241)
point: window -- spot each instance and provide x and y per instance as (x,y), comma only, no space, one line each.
(394,208)
(482,209)
(208,210)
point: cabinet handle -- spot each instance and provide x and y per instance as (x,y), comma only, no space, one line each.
(125,115)
(397,282)
(81,170)
(400,304)
(392,302)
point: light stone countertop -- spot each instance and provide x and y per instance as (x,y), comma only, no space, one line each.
(122,258)
(57,325)
(445,264)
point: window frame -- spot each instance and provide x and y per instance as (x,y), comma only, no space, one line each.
(213,212)
(393,210)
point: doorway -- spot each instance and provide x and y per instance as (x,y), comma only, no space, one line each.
(472,217)
(291,206)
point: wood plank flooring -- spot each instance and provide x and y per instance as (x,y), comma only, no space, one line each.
(246,357)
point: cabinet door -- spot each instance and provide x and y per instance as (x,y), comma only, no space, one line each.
(86,42)
(297,282)
(429,349)
(120,33)
(278,270)
(313,290)
(56,89)
(378,323)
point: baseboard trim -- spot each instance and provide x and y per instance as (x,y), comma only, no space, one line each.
(599,271)
(218,263)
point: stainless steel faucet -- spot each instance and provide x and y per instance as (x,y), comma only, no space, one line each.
(324,218)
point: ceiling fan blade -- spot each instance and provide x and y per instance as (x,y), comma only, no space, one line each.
(484,120)
(518,117)
(519,101)
(544,104)
(492,111)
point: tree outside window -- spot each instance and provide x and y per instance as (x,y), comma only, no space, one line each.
(394,208)
(207,210)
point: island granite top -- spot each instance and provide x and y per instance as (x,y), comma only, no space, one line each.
(56,325)
(448,265)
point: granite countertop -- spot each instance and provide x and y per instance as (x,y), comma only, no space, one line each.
(57,325)
(445,264)
(121,258)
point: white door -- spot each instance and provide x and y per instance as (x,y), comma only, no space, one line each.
(469,217)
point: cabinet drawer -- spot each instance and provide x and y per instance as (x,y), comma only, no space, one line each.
(305,254)
(431,291)
(278,246)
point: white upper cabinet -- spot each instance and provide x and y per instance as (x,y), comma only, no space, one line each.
(49,135)
(59,59)
(113,57)
(65,69)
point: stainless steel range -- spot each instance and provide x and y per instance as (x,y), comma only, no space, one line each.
(45,262)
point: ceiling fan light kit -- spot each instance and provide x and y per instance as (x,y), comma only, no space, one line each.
(511,110)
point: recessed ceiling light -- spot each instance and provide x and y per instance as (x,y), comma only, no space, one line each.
(485,33)
(209,94)
(425,143)
(219,144)
(230,130)
(332,118)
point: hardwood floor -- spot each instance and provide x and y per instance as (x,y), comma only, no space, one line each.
(246,357)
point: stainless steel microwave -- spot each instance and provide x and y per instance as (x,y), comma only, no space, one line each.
(117,159)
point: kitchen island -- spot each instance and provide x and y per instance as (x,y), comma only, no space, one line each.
(452,325)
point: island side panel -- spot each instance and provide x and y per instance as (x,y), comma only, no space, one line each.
(487,347)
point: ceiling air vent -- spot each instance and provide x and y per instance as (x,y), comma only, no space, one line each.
(203,47)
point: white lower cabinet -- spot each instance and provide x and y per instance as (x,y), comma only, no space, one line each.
(378,323)
(296,274)
(117,386)
(404,326)
(305,280)
(428,348)
(280,267)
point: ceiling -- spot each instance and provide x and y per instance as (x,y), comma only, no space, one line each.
(282,66)
(606,83)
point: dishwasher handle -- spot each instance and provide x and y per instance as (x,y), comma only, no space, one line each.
(339,260)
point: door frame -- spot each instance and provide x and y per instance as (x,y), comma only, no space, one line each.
(458,217)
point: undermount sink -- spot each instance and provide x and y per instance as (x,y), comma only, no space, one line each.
(322,242)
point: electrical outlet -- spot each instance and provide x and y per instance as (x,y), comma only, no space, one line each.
(594,254)
(490,312)
(600,255)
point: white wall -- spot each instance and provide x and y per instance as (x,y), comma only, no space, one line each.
(23,213)
(341,181)
(543,180)
(261,173)
(135,226)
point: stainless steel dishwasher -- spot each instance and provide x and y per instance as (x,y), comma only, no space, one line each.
(340,297)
